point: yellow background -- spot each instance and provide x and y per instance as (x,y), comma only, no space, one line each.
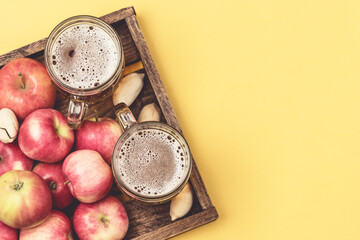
(268,95)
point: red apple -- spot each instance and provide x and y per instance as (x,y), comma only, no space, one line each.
(25,86)
(56,227)
(25,199)
(45,136)
(12,158)
(99,135)
(54,178)
(8,233)
(105,219)
(89,175)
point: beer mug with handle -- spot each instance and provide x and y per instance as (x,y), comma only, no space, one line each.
(151,160)
(85,60)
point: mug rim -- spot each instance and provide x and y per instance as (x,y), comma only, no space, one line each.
(68,23)
(163,197)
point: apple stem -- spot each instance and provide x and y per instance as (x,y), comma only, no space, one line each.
(104,221)
(17,186)
(22,80)
(52,185)
(96,115)
(67,182)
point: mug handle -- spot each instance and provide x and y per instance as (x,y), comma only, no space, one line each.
(124,115)
(76,113)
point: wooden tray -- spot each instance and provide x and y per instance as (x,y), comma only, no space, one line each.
(146,222)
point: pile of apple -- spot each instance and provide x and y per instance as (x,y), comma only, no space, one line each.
(44,167)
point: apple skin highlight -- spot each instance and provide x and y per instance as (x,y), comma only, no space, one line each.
(56,227)
(45,136)
(12,158)
(105,219)
(25,199)
(90,177)
(25,86)
(55,180)
(100,134)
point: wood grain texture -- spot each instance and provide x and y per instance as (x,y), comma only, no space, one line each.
(23,52)
(38,46)
(182,225)
(146,221)
(152,72)
(118,15)
(164,101)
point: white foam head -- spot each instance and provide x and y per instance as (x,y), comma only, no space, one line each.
(152,163)
(84,56)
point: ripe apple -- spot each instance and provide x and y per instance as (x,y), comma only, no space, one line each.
(25,200)
(105,219)
(56,227)
(25,86)
(8,233)
(12,158)
(45,136)
(54,178)
(90,177)
(99,135)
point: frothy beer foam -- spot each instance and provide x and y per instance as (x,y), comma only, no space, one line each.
(84,56)
(152,163)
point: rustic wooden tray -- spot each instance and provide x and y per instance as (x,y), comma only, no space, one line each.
(146,222)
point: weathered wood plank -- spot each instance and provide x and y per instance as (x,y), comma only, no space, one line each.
(38,46)
(181,225)
(118,15)
(152,72)
(164,102)
(23,52)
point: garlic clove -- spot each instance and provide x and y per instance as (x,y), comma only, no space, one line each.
(9,125)
(150,112)
(129,88)
(182,203)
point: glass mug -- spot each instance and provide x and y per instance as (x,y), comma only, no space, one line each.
(151,160)
(85,60)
